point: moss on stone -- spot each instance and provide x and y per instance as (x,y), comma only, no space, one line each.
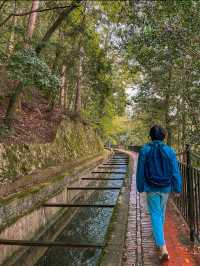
(7,200)
(24,193)
(31,190)
(73,141)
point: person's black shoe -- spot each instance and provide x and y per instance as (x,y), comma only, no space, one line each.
(164,257)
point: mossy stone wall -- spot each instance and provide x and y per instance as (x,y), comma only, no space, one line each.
(72,142)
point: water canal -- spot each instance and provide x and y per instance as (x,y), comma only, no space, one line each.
(89,225)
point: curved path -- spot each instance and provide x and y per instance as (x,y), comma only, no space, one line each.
(139,246)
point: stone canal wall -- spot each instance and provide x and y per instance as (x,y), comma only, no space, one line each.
(24,217)
(72,142)
(31,174)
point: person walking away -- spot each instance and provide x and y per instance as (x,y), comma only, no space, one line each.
(158,175)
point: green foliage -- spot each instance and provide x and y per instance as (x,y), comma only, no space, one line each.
(26,67)
(5,132)
(153,45)
(106,120)
(2,55)
(162,43)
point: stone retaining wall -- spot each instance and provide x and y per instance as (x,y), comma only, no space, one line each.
(72,142)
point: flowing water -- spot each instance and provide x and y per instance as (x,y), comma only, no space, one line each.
(88,226)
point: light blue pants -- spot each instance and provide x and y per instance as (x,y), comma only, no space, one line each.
(156,202)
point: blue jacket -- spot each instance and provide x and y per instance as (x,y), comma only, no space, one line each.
(176,179)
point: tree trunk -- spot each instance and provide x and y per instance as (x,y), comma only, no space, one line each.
(12,105)
(56,60)
(56,24)
(65,88)
(167,120)
(167,110)
(178,126)
(32,19)
(183,121)
(30,30)
(78,84)
(65,96)
(62,86)
(10,46)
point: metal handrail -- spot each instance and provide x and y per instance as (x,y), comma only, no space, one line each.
(189,201)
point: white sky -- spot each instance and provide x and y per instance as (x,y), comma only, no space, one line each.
(131,90)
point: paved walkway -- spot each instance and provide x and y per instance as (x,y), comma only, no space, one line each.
(139,246)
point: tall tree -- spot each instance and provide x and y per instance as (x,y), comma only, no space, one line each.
(14,98)
(11,41)
(79,80)
(63,15)
(32,18)
(159,46)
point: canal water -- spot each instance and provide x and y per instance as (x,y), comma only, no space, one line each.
(88,226)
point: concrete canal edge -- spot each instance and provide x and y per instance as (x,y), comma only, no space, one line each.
(113,252)
(20,212)
(24,202)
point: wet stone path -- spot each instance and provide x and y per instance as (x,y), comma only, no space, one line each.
(140,249)
(139,246)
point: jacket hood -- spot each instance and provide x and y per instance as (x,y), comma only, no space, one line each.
(155,142)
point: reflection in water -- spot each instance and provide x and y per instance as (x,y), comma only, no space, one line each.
(88,226)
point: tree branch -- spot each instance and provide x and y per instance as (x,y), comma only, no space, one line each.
(56,24)
(30,12)
(2,4)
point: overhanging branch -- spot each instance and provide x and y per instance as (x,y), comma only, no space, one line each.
(3,3)
(56,24)
(30,12)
